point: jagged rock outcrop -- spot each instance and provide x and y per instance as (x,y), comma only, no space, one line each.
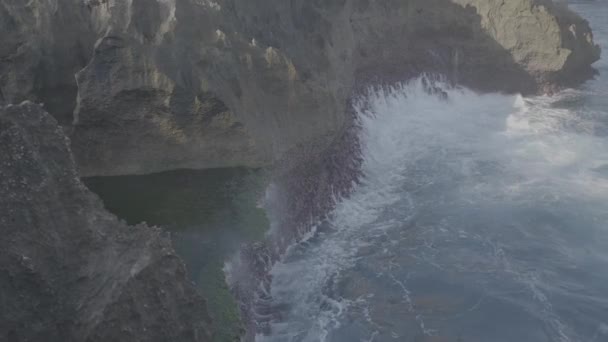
(202,83)
(69,270)
(44,43)
(286,69)
(551,43)
(165,84)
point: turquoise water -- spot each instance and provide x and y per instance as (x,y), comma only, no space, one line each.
(209,214)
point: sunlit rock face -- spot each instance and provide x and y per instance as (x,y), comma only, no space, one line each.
(552,43)
(164,84)
(70,270)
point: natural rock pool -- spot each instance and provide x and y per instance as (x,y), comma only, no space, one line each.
(208,213)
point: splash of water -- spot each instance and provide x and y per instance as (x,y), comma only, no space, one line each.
(433,154)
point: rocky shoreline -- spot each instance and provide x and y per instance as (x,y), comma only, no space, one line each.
(146,86)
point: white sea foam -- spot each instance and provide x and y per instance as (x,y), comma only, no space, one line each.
(486,146)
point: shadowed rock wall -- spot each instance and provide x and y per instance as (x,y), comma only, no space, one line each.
(71,271)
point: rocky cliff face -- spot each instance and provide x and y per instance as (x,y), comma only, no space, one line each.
(553,44)
(44,44)
(201,83)
(69,270)
(150,85)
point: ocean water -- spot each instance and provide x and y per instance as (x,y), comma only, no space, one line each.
(479,218)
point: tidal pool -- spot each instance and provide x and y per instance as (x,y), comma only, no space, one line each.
(209,215)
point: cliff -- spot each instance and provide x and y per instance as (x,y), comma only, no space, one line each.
(148,85)
(164,84)
(69,270)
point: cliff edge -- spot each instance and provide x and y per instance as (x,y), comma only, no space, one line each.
(143,86)
(166,84)
(71,271)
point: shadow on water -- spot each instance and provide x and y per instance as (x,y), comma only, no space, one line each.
(209,214)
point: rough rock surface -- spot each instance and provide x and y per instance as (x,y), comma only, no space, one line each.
(44,43)
(552,43)
(202,83)
(151,85)
(69,270)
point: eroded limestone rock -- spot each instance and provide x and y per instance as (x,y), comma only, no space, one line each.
(280,73)
(71,271)
(201,83)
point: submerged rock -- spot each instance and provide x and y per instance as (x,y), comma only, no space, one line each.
(71,271)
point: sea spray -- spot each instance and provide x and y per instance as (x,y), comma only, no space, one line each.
(297,202)
(469,208)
